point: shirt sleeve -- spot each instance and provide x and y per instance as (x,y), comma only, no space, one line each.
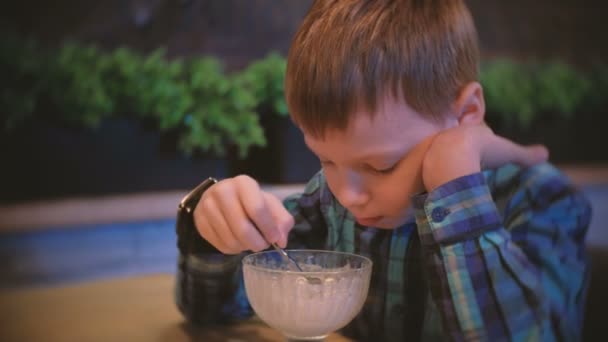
(511,267)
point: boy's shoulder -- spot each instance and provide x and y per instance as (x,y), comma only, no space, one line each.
(538,185)
(517,176)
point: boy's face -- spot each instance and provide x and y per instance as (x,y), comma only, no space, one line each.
(374,165)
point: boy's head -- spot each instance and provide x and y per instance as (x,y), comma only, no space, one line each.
(369,82)
(348,54)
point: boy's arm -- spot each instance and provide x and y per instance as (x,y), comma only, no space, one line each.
(521,275)
(210,287)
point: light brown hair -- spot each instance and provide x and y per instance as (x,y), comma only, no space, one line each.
(348,54)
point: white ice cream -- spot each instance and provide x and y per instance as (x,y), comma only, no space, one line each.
(292,304)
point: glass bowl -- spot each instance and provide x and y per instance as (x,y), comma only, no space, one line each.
(307,305)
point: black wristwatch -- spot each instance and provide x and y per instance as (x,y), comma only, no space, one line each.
(189,241)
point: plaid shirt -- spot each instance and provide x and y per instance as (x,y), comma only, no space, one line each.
(492,256)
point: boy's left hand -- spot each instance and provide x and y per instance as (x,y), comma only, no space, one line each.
(468,148)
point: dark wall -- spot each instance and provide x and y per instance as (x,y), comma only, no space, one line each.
(236,30)
(572,30)
(240,30)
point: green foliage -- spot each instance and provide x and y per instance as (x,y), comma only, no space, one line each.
(207,108)
(211,110)
(23,80)
(520,93)
(76,77)
(508,91)
(220,104)
(561,88)
(265,79)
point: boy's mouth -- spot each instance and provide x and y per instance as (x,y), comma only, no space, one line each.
(368,221)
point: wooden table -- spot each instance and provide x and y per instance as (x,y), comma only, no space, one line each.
(131,309)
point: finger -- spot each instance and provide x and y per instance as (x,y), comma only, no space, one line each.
(220,227)
(207,232)
(537,154)
(240,225)
(202,226)
(283,218)
(254,203)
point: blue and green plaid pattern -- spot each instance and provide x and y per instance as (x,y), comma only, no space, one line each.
(493,256)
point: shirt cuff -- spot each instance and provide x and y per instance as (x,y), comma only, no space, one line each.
(459,210)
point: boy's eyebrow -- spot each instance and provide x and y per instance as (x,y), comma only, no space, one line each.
(397,154)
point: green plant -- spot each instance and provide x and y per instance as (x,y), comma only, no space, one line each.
(23,80)
(508,91)
(210,110)
(207,108)
(222,111)
(76,84)
(560,88)
(265,78)
(520,93)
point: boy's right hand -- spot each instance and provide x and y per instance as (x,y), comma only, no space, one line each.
(229,212)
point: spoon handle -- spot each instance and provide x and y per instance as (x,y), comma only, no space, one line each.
(293,264)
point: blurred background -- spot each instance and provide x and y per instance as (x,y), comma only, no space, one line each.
(127,96)
(111,110)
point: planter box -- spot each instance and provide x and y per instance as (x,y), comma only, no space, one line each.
(44,160)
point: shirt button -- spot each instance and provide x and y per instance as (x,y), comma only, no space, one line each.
(439,214)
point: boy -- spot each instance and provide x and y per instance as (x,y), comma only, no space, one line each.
(473,237)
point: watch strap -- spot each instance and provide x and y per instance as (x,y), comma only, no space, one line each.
(189,240)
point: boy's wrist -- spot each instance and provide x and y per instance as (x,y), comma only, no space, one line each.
(461,209)
(453,154)
(448,168)
(189,241)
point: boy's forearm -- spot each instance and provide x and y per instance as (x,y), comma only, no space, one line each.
(450,222)
(484,284)
(209,287)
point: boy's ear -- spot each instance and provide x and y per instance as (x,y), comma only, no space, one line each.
(470,106)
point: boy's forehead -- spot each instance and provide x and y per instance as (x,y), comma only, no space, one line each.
(392,130)
(334,148)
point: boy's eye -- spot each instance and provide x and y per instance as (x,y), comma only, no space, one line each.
(384,170)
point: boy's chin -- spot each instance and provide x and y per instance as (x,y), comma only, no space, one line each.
(391,222)
(387,221)
(385,226)
(394,222)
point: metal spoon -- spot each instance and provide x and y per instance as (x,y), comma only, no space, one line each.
(292,263)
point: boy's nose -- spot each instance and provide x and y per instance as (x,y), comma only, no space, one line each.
(352,192)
